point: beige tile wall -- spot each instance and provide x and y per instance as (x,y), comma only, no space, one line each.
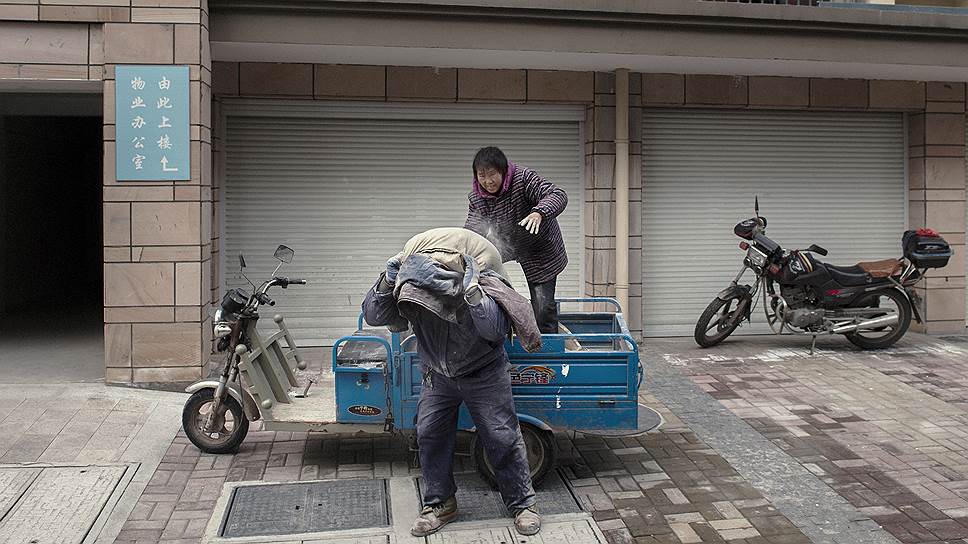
(936,137)
(600,195)
(168,255)
(157,235)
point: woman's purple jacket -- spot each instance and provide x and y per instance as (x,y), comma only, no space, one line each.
(496,217)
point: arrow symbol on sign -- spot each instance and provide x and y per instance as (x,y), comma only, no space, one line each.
(164,165)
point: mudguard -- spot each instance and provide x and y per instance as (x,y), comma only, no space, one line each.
(915,299)
(245,399)
(523,418)
(534,421)
(741,292)
(734,291)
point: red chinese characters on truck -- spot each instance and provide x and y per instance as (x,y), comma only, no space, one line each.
(531,375)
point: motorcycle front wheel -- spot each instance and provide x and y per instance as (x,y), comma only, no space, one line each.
(231,425)
(719,320)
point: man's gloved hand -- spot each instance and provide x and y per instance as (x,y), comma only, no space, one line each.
(472,290)
(389,279)
(393,267)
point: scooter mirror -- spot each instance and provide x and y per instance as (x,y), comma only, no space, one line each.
(241,261)
(756,205)
(284,254)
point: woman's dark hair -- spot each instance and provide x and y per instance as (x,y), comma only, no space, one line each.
(491,157)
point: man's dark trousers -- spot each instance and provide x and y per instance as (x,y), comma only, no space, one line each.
(487,394)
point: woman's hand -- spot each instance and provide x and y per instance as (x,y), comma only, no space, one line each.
(532,222)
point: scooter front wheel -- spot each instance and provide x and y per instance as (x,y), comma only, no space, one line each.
(227,430)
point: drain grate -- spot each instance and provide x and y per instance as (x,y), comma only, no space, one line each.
(476,501)
(307,507)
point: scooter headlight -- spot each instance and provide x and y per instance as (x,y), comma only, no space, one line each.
(222,330)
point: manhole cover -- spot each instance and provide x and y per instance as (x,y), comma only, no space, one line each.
(476,501)
(307,507)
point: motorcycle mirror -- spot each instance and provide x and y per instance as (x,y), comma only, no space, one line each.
(241,261)
(817,249)
(756,205)
(284,254)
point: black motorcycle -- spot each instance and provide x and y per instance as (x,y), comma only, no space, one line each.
(871,303)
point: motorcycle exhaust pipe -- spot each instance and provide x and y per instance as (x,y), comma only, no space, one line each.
(875,323)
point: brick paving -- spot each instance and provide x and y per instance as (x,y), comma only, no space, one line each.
(762,443)
(886,430)
(665,487)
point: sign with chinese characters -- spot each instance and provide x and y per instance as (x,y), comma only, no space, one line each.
(152,125)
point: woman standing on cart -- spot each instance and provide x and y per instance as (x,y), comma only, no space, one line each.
(516,209)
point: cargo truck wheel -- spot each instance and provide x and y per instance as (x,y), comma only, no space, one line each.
(542,454)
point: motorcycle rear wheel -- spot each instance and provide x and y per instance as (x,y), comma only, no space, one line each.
(728,313)
(868,340)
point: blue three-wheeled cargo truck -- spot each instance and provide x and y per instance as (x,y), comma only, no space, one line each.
(586,381)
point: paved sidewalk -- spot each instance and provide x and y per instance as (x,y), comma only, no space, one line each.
(665,487)
(887,431)
(762,444)
(81,425)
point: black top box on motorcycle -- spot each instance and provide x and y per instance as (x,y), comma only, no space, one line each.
(925,248)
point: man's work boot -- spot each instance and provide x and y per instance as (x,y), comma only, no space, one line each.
(527,521)
(432,518)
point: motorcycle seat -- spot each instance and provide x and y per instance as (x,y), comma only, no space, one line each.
(849,276)
(882,269)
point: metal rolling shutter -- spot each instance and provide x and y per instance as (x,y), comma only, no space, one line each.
(835,179)
(346,184)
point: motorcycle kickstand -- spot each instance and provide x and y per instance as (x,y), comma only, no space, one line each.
(813,344)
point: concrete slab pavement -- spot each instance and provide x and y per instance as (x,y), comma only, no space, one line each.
(55,429)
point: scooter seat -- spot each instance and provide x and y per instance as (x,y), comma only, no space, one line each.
(848,276)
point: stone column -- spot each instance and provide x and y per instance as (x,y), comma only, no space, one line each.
(937,199)
(158,234)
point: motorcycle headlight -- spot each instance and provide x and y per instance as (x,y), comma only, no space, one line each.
(756,257)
